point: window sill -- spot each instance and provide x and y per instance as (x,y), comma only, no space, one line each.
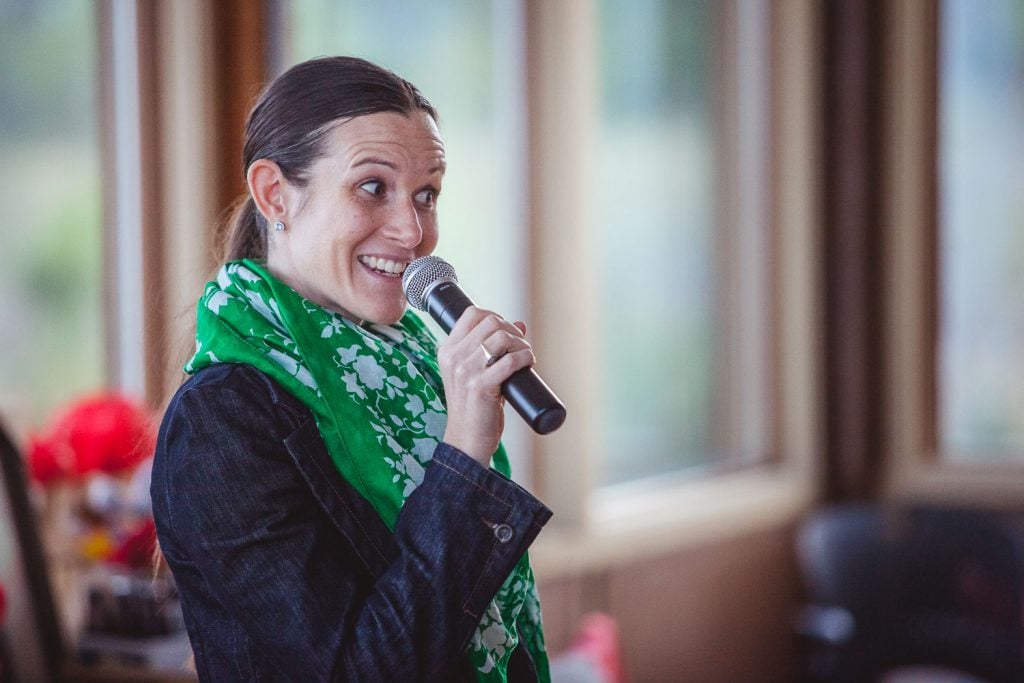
(992,485)
(626,526)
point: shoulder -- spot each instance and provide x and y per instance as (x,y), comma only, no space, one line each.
(225,428)
(238,389)
(225,410)
(221,463)
(237,377)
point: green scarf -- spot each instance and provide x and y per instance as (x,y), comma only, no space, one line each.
(375,397)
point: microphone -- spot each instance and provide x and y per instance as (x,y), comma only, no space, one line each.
(430,285)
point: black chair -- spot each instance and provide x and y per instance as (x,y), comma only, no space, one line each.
(889,587)
(31,647)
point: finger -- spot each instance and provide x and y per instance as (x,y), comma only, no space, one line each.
(468,321)
(488,325)
(476,323)
(511,362)
(521,326)
(501,342)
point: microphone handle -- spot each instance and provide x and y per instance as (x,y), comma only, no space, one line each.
(524,389)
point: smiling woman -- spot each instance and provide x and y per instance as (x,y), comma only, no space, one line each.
(328,462)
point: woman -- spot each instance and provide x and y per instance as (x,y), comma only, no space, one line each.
(329,488)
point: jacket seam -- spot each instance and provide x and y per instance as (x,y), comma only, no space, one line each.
(276,396)
(351,513)
(480,577)
(473,483)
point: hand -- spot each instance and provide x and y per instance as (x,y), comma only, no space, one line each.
(481,352)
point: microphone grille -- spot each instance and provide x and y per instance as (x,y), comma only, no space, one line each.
(420,274)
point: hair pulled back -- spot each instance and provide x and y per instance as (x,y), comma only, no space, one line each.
(290,120)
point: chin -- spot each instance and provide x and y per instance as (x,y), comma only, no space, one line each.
(385,316)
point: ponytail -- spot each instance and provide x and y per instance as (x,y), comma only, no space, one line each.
(245,232)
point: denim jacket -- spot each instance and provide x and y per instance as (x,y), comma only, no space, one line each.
(286,573)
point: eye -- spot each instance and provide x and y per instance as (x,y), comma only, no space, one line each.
(374,187)
(427,196)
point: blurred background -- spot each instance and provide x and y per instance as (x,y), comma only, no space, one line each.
(771,255)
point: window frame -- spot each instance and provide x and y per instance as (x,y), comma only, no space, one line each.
(594,529)
(916,469)
(175,88)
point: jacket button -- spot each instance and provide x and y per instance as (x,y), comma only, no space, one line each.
(503,532)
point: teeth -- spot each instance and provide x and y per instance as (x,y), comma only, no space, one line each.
(383,265)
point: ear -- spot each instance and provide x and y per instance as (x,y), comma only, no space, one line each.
(267,186)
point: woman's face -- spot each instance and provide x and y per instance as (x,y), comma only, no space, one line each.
(368,210)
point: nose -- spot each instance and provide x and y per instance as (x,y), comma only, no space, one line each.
(404,226)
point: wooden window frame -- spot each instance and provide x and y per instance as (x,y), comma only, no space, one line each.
(916,469)
(177,80)
(596,529)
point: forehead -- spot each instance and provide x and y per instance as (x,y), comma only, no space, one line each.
(411,139)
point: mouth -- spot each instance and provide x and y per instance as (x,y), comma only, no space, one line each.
(384,266)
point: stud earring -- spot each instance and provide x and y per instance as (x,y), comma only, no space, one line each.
(278,226)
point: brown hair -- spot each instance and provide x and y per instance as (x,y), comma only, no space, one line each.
(290,120)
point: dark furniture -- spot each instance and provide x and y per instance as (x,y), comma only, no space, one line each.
(31,635)
(890,586)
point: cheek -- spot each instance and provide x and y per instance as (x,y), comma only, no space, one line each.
(355,227)
(429,242)
(318,253)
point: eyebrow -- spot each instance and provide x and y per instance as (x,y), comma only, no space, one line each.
(375,160)
(441,167)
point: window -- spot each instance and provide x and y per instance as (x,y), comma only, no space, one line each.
(683,299)
(981,230)
(683,236)
(643,157)
(954,330)
(50,284)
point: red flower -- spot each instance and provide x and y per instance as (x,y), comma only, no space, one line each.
(49,460)
(105,433)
